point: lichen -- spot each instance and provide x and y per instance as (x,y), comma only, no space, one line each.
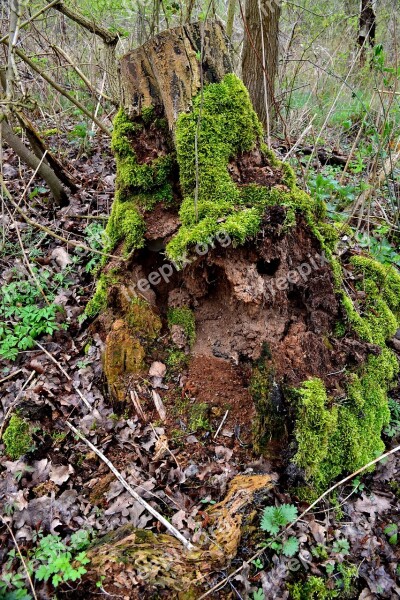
(17,437)
(142,321)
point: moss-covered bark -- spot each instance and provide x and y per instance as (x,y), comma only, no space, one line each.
(195,171)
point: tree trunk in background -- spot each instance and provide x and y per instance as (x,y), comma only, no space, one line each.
(367,27)
(230,18)
(260,54)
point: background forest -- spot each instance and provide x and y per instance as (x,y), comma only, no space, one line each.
(324,80)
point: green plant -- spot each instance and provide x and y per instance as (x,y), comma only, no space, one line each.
(17,437)
(274,519)
(392,531)
(393,428)
(50,560)
(258,594)
(95,236)
(24,314)
(341,547)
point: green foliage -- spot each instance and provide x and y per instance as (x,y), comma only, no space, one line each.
(176,359)
(24,315)
(392,532)
(341,547)
(50,560)
(183,317)
(314,588)
(393,428)
(95,236)
(198,416)
(274,518)
(17,437)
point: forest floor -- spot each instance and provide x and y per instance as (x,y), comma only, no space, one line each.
(180,466)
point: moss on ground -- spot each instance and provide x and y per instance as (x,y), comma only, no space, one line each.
(17,438)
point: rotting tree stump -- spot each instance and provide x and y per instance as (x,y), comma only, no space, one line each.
(230,275)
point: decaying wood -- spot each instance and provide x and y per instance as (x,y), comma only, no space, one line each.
(166,72)
(159,560)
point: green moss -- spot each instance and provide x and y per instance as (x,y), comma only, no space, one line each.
(139,185)
(176,360)
(198,416)
(314,588)
(125,224)
(314,426)
(269,421)
(183,317)
(224,124)
(99,301)
(17,438)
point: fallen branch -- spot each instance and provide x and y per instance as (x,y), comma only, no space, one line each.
(132,492)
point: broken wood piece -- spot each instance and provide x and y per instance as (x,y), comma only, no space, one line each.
(136,403)
(159,405)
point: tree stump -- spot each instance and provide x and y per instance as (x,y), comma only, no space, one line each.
(230,276)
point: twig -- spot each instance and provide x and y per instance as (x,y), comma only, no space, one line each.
(220,425)
(59,89)
(11,375)
(64,372)
(20,555)
(32,18)
(136,403)
(317,501)
(132,492)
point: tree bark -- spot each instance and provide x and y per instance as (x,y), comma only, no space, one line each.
(56,187)
(165,72)
(260,55)
(367,27)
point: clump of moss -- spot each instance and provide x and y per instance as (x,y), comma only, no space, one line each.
(99,300)
(314,588)
(222,125)
(335,438)
(17,438)
(183,317)
(314,426)
(176,360)
(139,185)
(198,416)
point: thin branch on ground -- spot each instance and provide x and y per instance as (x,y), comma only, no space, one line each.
(173,531)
